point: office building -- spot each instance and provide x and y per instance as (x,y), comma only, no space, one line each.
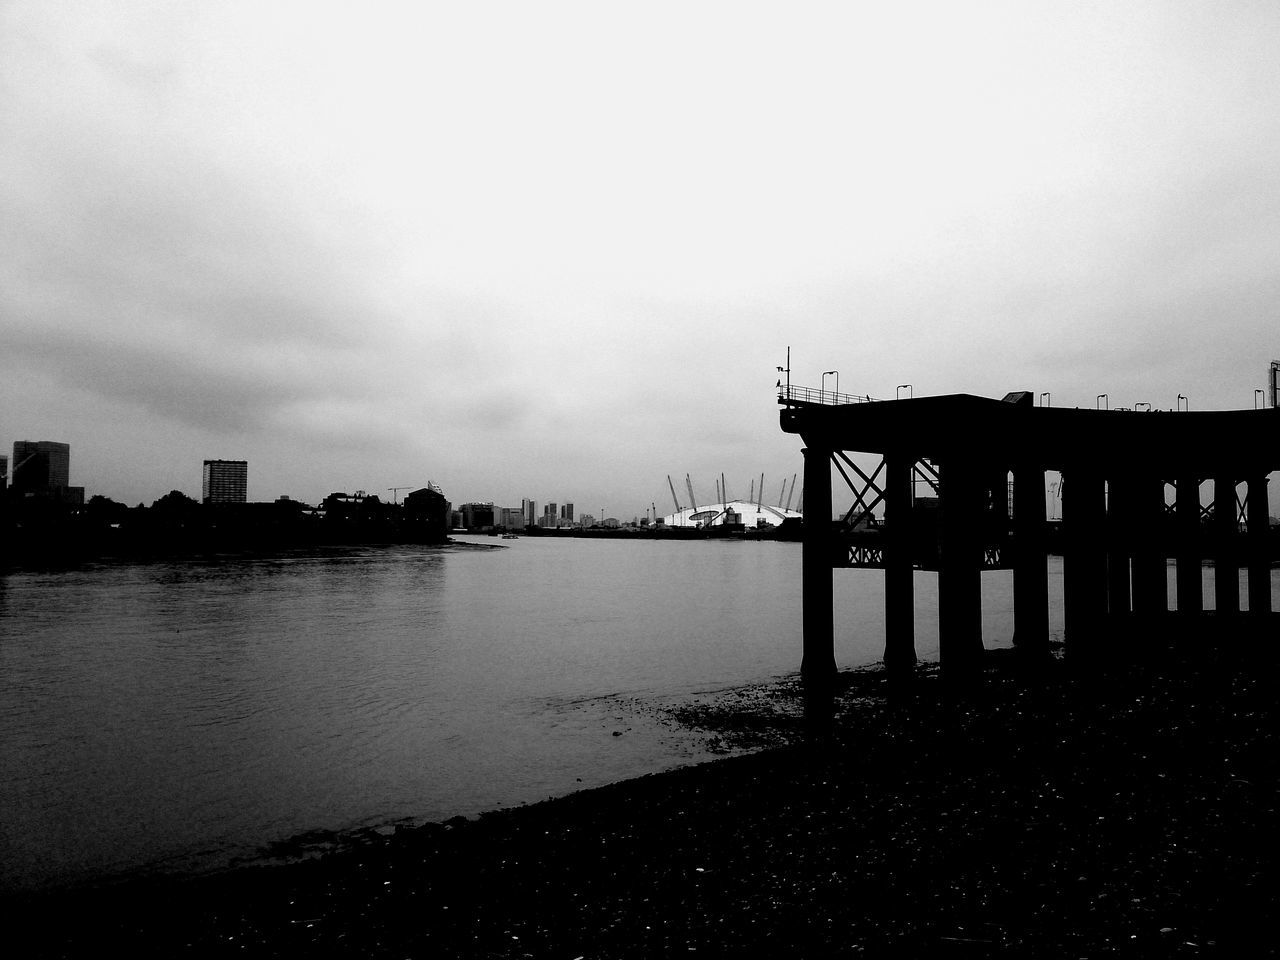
(530,510)
(225,481)
(42,468)
(477,516)
(566,514)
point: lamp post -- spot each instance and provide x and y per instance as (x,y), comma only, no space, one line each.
(907,387)
(1102,396)
(1181,398)
(828,373)
(1256,395)
(1046,399)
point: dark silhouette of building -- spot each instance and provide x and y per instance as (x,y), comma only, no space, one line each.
(42,469)
(477,516)
(225,481)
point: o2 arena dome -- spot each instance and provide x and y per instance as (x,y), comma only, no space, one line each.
(750,514)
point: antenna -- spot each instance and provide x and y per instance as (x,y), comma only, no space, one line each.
(395,492)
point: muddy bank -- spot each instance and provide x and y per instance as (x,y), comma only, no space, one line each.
(1062,814)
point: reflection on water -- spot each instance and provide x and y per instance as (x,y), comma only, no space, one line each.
(186,713)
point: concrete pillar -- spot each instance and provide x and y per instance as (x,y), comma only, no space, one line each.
(1150,573)
(1259,561)
(1119,547)
(1188,550)
(1226,573)
(899,589)
(960,568)
(818,665)
(1084,573)
(1030,562)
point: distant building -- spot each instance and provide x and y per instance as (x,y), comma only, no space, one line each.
(42,468)
(566,513)
(511,518)
(549,518)
(477,516)
(225,481)
(530,510)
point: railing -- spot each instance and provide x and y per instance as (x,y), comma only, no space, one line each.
(797,394)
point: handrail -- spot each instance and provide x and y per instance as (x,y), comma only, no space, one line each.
(793,393)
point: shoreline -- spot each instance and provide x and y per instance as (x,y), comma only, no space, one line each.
(1132,813)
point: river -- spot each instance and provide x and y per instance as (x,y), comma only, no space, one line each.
(180,715)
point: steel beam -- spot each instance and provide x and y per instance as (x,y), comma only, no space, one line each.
(1187,524)
(1030,562)
(1259,558)
(1226,571)
(899,590)
(960,568)
(818,664)
(1084,559)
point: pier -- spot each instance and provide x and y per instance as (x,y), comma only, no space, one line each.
(1138,488)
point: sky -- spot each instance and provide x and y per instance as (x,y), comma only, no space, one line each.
(558,250)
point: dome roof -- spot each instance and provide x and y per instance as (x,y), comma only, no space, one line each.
(749,514)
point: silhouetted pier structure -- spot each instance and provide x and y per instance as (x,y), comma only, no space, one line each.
(985,461)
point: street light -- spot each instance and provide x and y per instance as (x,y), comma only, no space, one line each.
(907,387)
(1102,396)
(1181,397)
(824,382)
(1045,399)
(1256,394)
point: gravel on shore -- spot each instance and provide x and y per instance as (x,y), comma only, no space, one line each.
(1055,812)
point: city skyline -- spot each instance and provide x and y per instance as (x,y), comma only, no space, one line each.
(579,266)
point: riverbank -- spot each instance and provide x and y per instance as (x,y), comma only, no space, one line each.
(1133,814)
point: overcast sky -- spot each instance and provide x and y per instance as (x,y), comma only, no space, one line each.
(557,250)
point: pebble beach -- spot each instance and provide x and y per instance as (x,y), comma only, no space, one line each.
(1048,812)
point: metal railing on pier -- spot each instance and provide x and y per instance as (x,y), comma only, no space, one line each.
(793,393)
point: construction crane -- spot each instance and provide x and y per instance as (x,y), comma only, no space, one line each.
(395,492)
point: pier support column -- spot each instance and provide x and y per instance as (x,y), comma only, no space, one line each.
(1150,572)
(1226,573)
(1187,524)
(1259,561)
(1030,562)
(960,569)
(818,665)
(899,589)
(1084,567)
(1119,550)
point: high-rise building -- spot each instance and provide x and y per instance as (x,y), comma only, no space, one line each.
(530,510)
(225,481)
(478,516)
(41,468)
(566,513)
